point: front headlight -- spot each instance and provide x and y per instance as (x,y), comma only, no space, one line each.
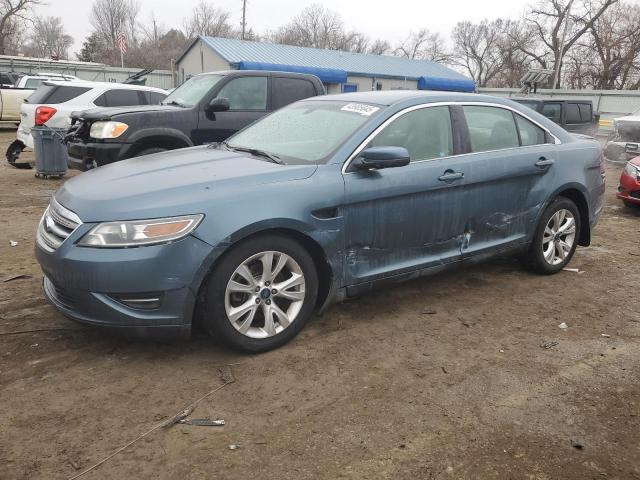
(102,130)
(140,232)
(632,170)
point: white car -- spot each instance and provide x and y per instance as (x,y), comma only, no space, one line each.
(52,104)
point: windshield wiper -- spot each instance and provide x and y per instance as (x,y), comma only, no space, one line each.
(256,152)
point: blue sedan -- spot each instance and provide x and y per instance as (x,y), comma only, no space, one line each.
(322,200)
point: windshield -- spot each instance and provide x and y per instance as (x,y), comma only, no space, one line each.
(305,132)
(191,92)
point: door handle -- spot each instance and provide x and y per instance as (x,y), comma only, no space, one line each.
(544,162)
(450,176)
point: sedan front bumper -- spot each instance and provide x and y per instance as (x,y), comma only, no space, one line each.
(629,189)
(144,291)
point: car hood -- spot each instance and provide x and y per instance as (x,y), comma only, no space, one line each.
(172,183)
(107,113)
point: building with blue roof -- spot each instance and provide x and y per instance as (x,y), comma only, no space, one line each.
(339,71)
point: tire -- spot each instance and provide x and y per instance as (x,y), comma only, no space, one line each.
(149,151)
(13,153)
(255,296)
(551,236)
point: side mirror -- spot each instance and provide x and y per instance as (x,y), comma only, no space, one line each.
(382,157)
(218,105)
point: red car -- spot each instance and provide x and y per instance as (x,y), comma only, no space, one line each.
(629,189)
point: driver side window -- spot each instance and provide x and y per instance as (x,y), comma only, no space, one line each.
(425,133)
(246,93)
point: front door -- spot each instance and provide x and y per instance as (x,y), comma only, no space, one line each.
(248,101)
(399,220)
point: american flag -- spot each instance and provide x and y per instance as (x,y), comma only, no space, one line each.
(121,42)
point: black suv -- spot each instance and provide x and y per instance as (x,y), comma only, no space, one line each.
(208,108)
(575,116)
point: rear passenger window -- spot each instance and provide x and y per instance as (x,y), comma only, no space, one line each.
(118,98)
(530,134)
(491,128)
(246,93)
(425,133)
(585,112)
(553,111)
(289,90)
(573,113)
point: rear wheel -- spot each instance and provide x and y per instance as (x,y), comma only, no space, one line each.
(261,294)
(556,237)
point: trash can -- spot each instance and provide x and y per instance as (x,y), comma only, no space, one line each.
(50,150)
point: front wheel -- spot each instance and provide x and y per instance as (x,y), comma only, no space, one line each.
(556,237)
(261,294)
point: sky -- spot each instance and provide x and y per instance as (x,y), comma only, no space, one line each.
(371,17)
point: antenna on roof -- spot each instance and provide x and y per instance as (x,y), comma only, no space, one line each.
(533,78)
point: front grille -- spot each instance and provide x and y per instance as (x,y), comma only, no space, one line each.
(56,225)
(635,194)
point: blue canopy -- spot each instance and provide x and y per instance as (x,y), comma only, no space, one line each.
(326,75)
(447,84)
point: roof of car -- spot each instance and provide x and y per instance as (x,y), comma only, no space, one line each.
(392,97)
(549,100)
(83,83)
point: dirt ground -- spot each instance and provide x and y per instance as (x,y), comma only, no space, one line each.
(443,377)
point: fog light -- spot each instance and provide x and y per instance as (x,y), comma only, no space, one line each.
(145,301)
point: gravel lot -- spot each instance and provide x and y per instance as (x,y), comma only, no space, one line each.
(443,377)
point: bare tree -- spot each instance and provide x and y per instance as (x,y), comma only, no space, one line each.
(478,49)
(550,19)
(615,42)
(12,14)
(513,43)
(379,47)
(48,39)
(209,21)
(110,17)
(424,45)
(318,27)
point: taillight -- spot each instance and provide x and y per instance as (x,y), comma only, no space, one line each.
(44,114)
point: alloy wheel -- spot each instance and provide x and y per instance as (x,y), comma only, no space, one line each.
(559,237)
(265,294)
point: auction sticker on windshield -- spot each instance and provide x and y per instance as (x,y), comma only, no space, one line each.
(361,108)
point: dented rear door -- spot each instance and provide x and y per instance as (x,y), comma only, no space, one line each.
(507,178)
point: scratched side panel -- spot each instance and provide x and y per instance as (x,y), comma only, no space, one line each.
(401,219)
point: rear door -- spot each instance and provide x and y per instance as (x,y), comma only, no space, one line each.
(511,158)
(248,101)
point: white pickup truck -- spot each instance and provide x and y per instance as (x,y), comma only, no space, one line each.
(12,98)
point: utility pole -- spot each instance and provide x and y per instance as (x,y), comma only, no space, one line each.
(556,76)
(244,17)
